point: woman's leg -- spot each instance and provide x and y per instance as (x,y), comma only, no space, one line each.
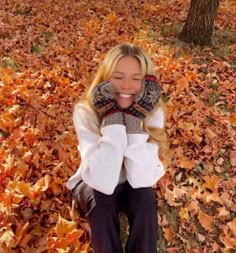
(104,223)
(141,208)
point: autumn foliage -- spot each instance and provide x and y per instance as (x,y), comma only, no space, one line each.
(49,51)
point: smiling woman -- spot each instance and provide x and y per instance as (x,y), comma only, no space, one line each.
(127,80)
(118,124)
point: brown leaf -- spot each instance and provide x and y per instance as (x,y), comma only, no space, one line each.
(232,156)
(229,234)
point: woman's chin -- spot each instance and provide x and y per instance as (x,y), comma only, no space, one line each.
(124,105)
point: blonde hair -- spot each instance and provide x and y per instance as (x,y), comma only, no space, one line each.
(105,70)
(113,56)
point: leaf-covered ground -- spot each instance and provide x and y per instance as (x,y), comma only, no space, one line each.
(49,52)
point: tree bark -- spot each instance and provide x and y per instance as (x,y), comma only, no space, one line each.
(198,27)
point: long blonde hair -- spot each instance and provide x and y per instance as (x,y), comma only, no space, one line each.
(104,72)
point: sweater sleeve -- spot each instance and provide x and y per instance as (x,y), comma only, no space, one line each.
(143,166)
(101,154)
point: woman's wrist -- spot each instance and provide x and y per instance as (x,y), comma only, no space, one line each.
(134,125)
(114,118)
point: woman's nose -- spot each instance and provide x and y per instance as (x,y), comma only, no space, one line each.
(125,84)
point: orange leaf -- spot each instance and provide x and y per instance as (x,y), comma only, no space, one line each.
(182,83)
(111,17)
(232,120)
(211,182)
(20,230)
(186,163)
(168,233)
(205,220)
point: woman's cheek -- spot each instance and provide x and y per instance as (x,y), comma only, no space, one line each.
(115,83)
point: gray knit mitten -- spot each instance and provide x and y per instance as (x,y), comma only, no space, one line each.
(114,118)
(105,105)
(147,99)
(133,124)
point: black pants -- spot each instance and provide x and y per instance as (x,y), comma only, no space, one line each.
(141,209)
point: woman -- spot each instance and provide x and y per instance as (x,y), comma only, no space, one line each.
(119,124)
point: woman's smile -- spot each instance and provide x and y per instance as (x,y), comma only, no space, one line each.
(124,100)
(124,95)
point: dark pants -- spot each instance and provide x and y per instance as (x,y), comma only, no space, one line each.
(141,209)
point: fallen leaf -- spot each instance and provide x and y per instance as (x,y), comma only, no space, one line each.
(205,220)
(168,233)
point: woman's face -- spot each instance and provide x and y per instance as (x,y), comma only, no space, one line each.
(127,80)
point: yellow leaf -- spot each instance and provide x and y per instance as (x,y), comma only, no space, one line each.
(7,238)
(56,186)
(27,156)
(24,189)
(64,227)
(183,213)
(42,184)
(222,211)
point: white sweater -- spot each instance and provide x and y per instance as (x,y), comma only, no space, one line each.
(113,156)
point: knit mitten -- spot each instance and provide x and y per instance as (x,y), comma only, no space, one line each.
(105,105)
(114,118)
(147,99)
(133,124)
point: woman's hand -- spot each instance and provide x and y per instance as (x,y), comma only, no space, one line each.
(103,99)
(147,99)
(105,105)
(144,103)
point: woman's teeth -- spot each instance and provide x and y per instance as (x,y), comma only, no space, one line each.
(125,95)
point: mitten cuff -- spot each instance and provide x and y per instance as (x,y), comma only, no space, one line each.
(114,118)
(133,124)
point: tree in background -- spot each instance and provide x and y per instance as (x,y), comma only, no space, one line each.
(198,27)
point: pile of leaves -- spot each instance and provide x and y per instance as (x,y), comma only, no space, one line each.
(49,52)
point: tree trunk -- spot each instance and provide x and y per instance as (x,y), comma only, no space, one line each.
(198,27)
